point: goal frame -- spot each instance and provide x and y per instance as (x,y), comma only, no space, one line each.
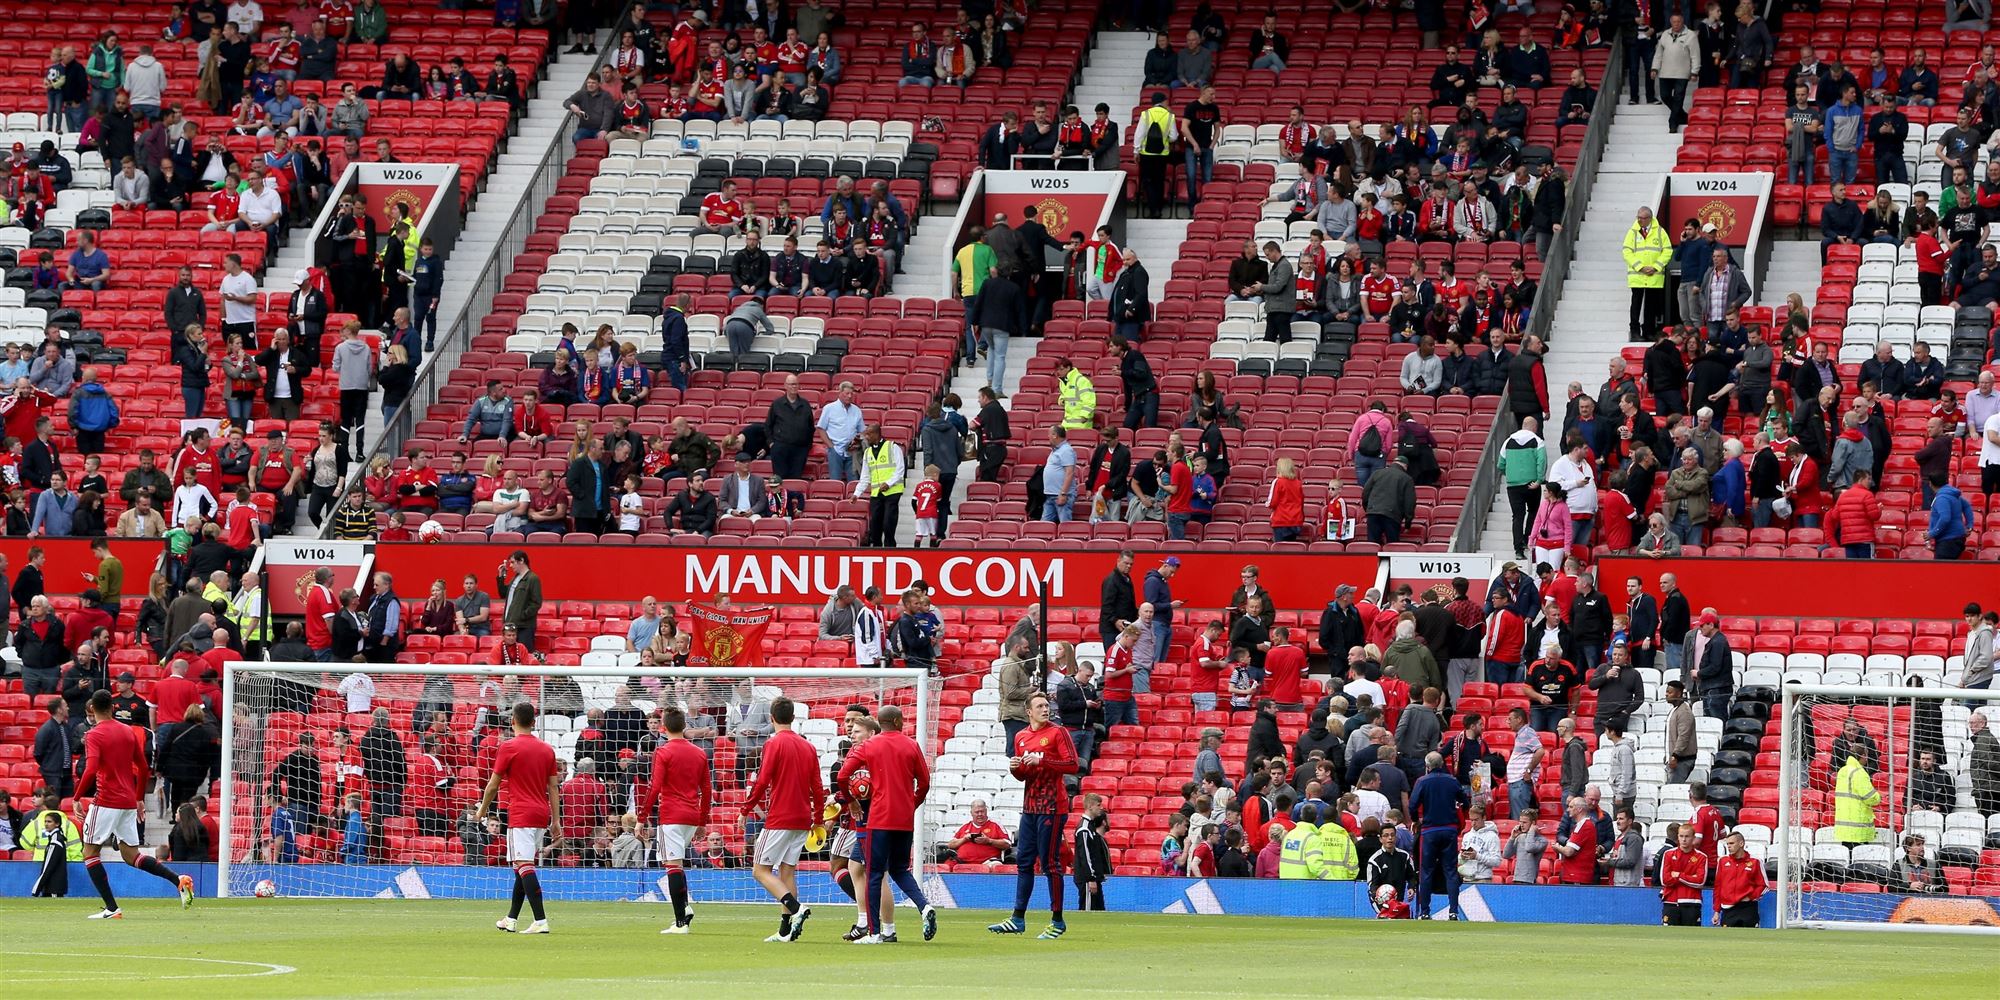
(917,679)
(1788,765)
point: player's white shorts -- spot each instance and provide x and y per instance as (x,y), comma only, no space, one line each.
(111,827)
(672,841)
(524,843)
(847,844)
(780,847)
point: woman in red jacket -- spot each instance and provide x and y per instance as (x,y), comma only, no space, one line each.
(1287,502)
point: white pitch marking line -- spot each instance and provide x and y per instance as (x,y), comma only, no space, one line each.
(268,968)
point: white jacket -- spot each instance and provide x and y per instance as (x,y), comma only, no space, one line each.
(1676,57)
(145,81)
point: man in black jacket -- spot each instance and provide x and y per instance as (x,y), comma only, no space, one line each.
(1551,204)
(1117,601)
(992,427)
(750,269)
(298,778)
(185,305)
(1001,141)
(788,425)
(1589,622)
(285,394)
(1131,307)
(1666,374)
(386,766)
(1264,741)
(695,508)
(1644,616)
(1033,271)
(1000,311)
(1135,374)
(587,489)
(1340,626)
(1112,461)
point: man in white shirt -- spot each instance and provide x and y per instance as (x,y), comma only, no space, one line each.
(262,209)
(247,16)
(282,373)
(839,423)
(1989,455)
(1524,763)
(239,298)
(360,691)
(1572,472)
(1981,403)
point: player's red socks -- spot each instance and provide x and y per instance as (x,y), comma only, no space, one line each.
(102,881)
(153,867)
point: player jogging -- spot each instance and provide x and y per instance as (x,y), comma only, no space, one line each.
(1043,754)
(789,795)
(898,781)
(114,771)
(527,766)
(681,785)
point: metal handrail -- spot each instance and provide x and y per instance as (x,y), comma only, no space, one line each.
(1541,317)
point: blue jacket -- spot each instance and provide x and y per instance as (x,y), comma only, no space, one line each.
(1951,516)
(1693,256)
(354,841)
(1435,802)
(1726,486)
(1159,595)
(1840,218)
(673,338)
(1834,116)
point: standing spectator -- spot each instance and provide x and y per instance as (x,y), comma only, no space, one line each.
(1709,665)
(1852,520)
(789,427)
(1646,249)
(521,591)
(1390,502)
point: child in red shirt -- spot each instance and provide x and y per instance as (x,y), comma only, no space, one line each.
(924,500)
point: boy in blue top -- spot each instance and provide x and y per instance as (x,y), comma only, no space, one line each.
(284,847)
(426,287)
(1205,492)
(354,838)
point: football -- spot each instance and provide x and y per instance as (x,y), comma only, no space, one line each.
(264,889)
(857,785)
(430,532)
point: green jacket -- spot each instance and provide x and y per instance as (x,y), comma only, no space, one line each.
(371,23)
(106,68)
(1414,664)
(1524,459)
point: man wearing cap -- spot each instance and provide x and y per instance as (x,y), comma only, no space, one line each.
(1709,665)
(1160,594)
(126,705)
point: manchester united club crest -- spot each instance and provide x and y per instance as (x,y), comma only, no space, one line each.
(1722,214)
(1055,215)
(405,196)
(723,645)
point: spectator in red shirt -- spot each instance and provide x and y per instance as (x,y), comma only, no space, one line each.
(721,212)
(1579,852)
(980,841)
(175,692)
(1284,668)
(1739,884)
(1287,503)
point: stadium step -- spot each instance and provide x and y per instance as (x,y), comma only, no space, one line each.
(1113,75)
(1158,243)
(510,189)
(1793,267)
(927,259)
(1589,324)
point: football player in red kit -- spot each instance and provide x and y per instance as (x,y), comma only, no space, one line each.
(681,784)
(1043,756)
(789,794)
(527,766)
(114,771)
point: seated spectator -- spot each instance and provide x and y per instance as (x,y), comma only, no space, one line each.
(693,510)
(979,841)
(1422,370)
(89,267)
(1194,65)
(919,59)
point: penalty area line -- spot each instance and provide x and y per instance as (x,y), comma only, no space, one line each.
(263,968)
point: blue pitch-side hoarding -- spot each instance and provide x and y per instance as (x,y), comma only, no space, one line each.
(1237,897)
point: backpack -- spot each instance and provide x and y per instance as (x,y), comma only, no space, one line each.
(96,411)
(1371,442)
(1156,138)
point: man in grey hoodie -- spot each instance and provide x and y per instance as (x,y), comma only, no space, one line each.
(145,81)
(354,366)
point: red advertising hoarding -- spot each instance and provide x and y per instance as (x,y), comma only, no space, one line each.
(807,576)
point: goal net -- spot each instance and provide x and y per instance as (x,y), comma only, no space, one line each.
(1889,805)
(315,806)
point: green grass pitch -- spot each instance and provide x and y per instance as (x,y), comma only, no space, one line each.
(370,948)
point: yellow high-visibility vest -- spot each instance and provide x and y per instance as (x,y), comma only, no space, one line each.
(884,468)
(1854,801)
(1298,855)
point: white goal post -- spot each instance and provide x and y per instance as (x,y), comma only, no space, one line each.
(1888,808)
(420,840)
